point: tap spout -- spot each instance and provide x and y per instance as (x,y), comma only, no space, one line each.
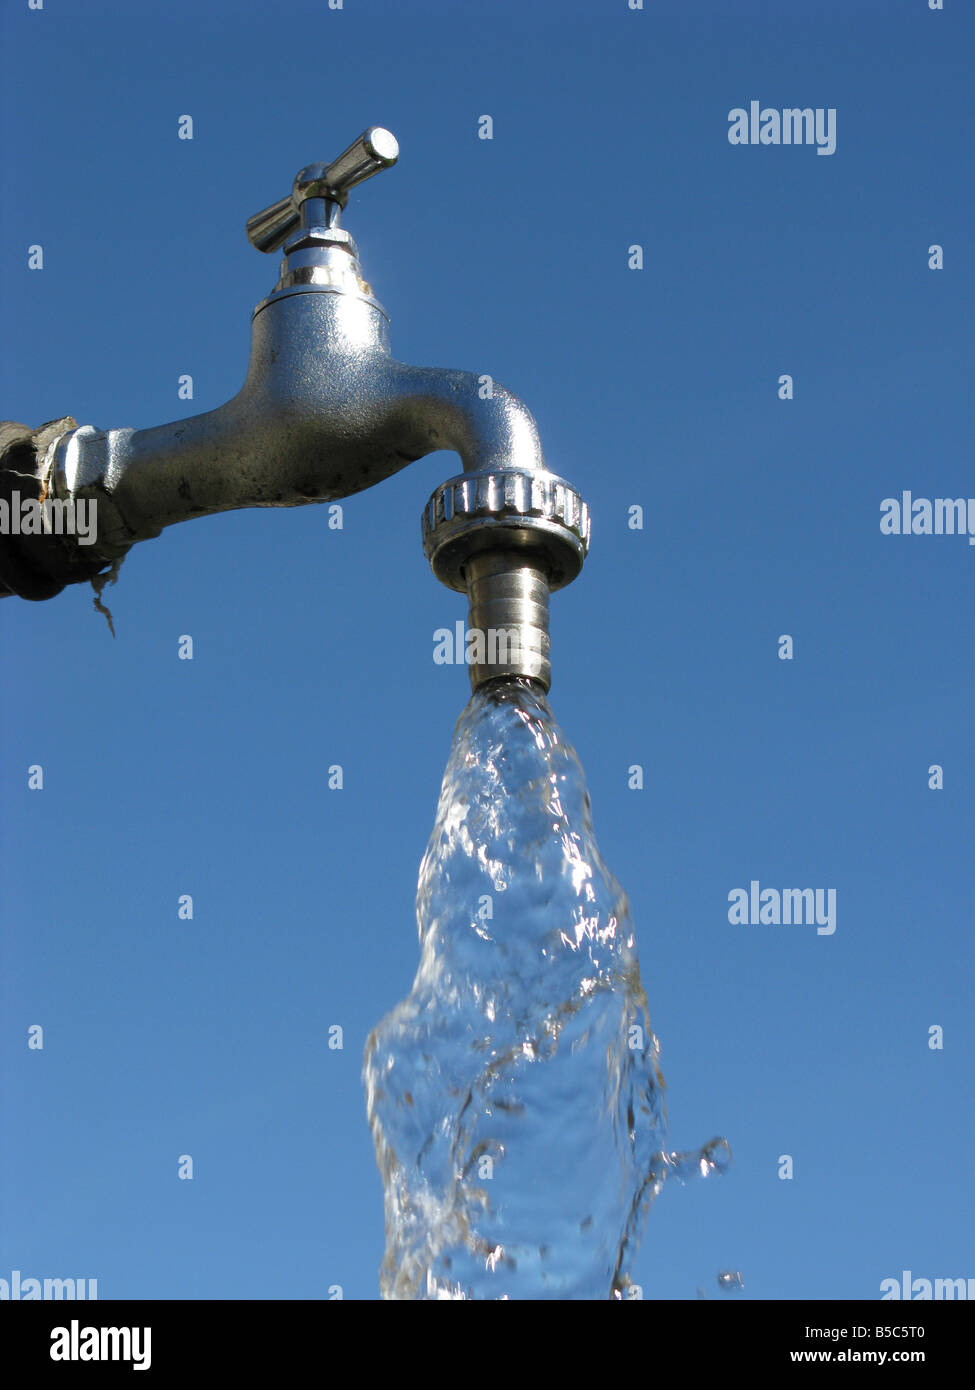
(325,412)
(476,417)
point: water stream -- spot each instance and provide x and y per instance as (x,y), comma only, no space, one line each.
(514,1096)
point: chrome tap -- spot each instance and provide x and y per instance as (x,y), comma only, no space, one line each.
(325,412)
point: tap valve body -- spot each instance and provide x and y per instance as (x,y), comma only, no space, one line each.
(325,412)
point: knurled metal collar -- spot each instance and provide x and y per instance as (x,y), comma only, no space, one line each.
(510,509)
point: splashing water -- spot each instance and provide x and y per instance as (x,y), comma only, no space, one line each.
(514,1096)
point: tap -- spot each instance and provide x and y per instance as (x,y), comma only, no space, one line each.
(325,412)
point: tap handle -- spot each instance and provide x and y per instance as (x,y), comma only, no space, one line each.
(375,149)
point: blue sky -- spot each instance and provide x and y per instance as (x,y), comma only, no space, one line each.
(656,387)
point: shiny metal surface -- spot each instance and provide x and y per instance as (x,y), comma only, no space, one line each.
(325,411)
(526,509)
(375,149)
(509,614)
(507,538)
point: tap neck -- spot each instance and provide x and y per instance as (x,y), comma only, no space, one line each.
(321,256)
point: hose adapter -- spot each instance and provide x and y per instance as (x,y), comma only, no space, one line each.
(507,538)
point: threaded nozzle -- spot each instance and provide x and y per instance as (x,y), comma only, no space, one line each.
(507,537)
(508,617)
